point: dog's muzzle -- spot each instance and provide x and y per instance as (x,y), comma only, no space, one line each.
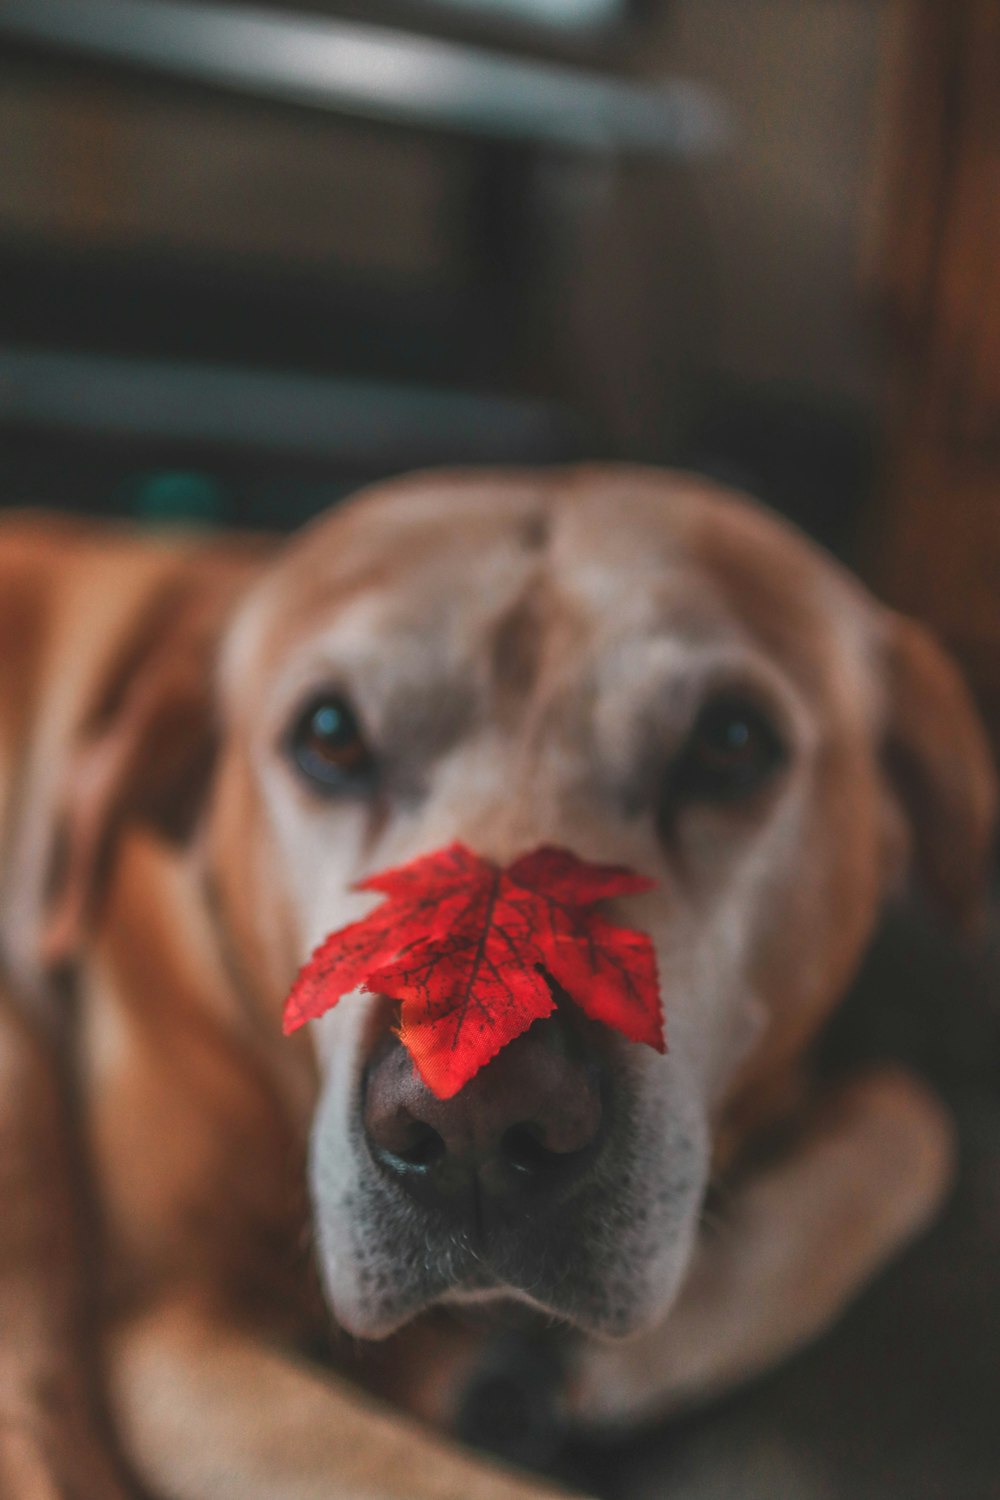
(553,1181)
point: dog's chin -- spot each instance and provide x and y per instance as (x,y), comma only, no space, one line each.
(603,1279)
(601,1313)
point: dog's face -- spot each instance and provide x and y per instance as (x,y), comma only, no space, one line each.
(635,667)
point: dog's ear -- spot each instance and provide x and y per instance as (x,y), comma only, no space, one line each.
(942,769)
(147,749)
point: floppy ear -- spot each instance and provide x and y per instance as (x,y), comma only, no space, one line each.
(942,769)
(146,751)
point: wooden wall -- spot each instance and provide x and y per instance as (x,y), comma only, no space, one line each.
(936,267)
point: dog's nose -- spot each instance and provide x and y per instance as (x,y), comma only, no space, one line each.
(532,1121)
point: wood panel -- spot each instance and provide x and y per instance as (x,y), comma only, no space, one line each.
(937,271)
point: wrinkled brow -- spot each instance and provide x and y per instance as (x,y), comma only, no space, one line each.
(421,721)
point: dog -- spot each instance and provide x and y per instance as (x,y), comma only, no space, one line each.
(205,744)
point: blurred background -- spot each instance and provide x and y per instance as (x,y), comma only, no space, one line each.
(251,258)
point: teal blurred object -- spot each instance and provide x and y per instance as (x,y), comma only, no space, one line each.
(384,73)
(177,496)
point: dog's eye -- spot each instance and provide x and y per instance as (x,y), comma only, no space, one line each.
(327,745)
(732,750)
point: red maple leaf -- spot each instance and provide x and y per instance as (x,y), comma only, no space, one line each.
(473,953)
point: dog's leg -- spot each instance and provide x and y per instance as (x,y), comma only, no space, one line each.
(48,1443)
(209,1413)
(800,1239)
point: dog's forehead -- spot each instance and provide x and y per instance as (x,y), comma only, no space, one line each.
(608,554)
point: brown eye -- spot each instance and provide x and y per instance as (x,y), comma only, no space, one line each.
(328,747)
(731,752)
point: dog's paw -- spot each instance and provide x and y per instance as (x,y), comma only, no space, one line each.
(37,1466)
(867,1175)
(906,1137)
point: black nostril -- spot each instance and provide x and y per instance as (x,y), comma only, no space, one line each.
(425,1149)
(417,1147)
(521,1148)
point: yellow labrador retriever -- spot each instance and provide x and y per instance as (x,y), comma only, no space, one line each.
(204,746)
